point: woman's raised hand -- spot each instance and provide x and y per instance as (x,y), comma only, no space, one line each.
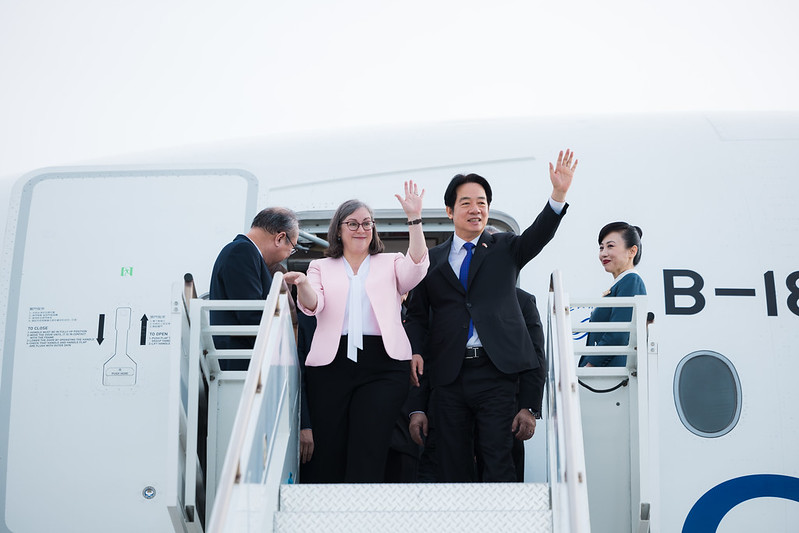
(412,203)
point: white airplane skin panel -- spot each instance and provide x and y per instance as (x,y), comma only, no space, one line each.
(761,514)
(86,369)
(378,189)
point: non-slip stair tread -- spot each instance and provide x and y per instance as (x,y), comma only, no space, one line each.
(416,521)
(417,497)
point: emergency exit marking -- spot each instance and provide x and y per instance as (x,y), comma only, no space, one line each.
(127,271)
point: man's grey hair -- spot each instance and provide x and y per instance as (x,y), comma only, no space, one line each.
(276,220)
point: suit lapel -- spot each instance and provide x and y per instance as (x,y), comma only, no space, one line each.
(480,252)
(439,257)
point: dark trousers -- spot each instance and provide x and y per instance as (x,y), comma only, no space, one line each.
(427,471)
(428,462)
(473,414)
(518,459)
(353,408)
(403,454)
(401,467)
(517,453)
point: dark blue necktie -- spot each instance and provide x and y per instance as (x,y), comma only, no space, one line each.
(464,276)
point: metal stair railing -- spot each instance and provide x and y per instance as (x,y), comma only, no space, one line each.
(641,375)
(200,497)
(636,328)
(565,435)
(263,450)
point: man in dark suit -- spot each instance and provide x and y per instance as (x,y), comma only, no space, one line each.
(532,381)
(468,334)
(241,272)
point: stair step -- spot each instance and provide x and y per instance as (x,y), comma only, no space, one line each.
(419,497)
(414,521)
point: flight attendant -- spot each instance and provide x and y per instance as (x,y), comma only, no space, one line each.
(619,253)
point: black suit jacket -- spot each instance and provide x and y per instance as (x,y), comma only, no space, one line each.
(240,273)
(531,382)
(439,308)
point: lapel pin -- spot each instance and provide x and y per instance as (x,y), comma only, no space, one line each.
(485,245)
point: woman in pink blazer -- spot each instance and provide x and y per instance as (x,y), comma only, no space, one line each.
(358,367)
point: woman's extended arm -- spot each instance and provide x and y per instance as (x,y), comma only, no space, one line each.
(305,293)
(412,205)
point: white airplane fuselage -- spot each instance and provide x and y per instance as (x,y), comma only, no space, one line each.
(716,196)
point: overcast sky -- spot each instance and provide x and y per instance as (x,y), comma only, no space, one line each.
(87,78)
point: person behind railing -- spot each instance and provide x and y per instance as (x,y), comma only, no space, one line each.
(468,333)
(402,465)
(302,325)
(358,367)
(530,381)
(241,272)
(619,253)
(306,325)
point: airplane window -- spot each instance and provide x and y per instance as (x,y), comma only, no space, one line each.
(707,394)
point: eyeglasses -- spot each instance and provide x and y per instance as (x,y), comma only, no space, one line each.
(353,226)
(293,246)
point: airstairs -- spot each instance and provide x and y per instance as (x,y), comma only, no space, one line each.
(244,480)
(619,420)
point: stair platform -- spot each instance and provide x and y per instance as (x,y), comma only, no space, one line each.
(440,507)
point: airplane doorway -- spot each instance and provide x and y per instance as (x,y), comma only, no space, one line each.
(392,227)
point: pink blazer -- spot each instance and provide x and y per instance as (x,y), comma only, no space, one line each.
(390,276)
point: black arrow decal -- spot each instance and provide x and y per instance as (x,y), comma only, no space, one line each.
(143,339)
(100,329)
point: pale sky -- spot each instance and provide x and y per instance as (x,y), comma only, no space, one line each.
(88,78)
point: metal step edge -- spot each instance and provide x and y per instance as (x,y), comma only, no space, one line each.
(417,497)
(402,522)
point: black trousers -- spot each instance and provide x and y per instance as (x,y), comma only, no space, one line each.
(427,471)
(473,415)
(353,407)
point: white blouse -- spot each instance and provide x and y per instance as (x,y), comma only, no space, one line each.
(359,317)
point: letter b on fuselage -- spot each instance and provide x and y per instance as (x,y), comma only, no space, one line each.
(693,291)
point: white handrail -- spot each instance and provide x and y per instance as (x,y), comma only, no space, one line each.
(567,457)
(178,420)
(629,350)
(266,345)
(194,356)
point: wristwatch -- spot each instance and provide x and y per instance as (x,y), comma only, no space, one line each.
(536,414)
